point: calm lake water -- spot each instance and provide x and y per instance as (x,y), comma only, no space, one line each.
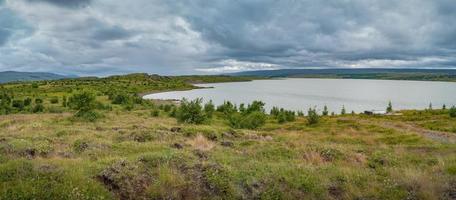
(300,94)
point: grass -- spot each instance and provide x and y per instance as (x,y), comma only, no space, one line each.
(341,157)
(131,154)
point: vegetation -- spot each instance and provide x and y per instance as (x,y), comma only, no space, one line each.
(312,116)
(389,108)
(158,150)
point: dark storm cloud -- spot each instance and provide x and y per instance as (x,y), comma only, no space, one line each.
(182,36)
(65,3)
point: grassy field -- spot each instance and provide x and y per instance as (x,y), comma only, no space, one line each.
(130,152)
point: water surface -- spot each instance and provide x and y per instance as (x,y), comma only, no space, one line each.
(300,94)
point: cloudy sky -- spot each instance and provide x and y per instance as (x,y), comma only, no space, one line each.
(102,37)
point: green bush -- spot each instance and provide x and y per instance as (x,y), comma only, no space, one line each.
(282,115)
(27,101)
(312,116)
(38,108)
(452,111)
(209,109)
(325,111)
(256,106)
(191,112)
(155,113)
(38,101)
(227,108)
(18,104)
(54,100)
(84,103)
(121,99)
(249,121)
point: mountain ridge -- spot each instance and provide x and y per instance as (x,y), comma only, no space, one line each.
(16,76)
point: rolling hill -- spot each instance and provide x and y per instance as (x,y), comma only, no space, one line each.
(13,76)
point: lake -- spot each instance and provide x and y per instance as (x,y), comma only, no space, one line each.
(300,94)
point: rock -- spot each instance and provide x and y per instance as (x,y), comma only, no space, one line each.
(227,143)
(30,153)
(178,146)
(176,129)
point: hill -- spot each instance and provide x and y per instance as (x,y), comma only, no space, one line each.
(391,74)
(13,76)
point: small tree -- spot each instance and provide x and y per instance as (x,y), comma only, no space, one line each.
(343,111)
(27,101)
(312,116)
(325,111)
(430,106)
(64,101)
(191,112)
(444,107)
(209,109)
(452,111)
(84,103)
(389,108)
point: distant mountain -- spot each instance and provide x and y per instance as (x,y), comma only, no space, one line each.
(345,71)
(12,76)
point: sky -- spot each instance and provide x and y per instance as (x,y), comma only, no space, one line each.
(171,37)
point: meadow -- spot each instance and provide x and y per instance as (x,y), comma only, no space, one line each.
(137,149)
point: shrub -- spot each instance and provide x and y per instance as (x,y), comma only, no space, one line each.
(90,116)
(312,116)
(27,101)
(5,101)
(121,99)
(282,115)
(389,108)
(82,102)
(343,111)
(256,106)
(275,111)
(227,108)
(155,113)
(452,111)
(64,101)
(325,111)
(38,108)
(191,112)
(54,100)
(19,104)
(209,109)
(249,121)
(38,100)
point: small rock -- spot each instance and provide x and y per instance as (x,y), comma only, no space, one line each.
(268,138)
(227,144)
(177,146)
(30,153)
(175,129)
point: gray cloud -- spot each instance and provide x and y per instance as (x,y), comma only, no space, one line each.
(173,37)
(65,3)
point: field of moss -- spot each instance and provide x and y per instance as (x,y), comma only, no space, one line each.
(130,153)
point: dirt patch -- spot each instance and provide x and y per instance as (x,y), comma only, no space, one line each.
(126,180)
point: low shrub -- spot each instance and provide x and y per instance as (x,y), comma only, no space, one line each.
(54,100)
(452,111)
(252,120)
(312,116)
(191,112)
